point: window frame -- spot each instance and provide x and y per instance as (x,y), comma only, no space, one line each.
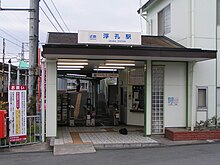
(218,96)
(164,21)
(218,13)
(202,108)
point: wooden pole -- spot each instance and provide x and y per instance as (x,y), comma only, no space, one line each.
(3,70)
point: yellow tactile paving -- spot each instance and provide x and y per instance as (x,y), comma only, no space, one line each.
(76,138)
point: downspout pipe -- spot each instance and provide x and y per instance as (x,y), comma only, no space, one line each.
(192,98)
(144,16)
(216,65)
(192,23)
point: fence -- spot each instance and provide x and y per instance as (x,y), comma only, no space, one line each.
(33,133)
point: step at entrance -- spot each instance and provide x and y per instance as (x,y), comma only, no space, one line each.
(73,149)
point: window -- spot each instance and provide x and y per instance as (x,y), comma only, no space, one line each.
(218,12)
(164,21)
(202,99)
(218,96)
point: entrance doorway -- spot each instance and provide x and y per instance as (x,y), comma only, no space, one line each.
(94,97)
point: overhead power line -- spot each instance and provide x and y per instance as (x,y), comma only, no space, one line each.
(11,41)
(53,15)
(48,18)
(60,15)
(10,35)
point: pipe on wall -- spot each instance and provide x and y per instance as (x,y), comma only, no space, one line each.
(192,23)
(144,16)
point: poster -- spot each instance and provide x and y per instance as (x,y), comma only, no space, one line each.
(173,101)
(17,113)
(136,76)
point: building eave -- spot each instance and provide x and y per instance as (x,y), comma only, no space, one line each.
(146,5)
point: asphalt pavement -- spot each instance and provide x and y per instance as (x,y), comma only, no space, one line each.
(199,154)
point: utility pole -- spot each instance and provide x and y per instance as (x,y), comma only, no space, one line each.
(33,46)
(22,51)
(33,42)
(3,70)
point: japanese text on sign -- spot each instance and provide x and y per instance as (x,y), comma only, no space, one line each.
(17,113)
(98,37)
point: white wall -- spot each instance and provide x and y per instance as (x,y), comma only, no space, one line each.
(218,54)
(205,24)
(204,37)
(181,27)
(51,95)
(178,21)
(133,118)
(175,86)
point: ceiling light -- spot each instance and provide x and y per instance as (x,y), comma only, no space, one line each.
(72,60)
(72,63)
(78,75)
(120,61)
(111,67)
(68,69)
(70,66)
(111,70)
(119,64)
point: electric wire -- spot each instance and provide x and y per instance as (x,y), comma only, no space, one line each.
(48,18)
(11,41)
(11,54)
(10,35)
(60,15)
(53,15)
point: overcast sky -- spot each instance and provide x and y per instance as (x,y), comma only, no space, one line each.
(107,15)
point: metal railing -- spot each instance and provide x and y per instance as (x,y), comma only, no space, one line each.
(33,133)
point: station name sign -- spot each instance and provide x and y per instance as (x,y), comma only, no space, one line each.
(109,37)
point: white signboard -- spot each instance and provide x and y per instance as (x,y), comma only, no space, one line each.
(112,75)
(17,113)
(109,37)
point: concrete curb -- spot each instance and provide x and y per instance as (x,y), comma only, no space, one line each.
(44,147)
(29,148)
(124,145)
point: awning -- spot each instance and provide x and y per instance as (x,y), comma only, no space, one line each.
(64,45)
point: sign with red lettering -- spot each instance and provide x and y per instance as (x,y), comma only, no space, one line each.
(17,113)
